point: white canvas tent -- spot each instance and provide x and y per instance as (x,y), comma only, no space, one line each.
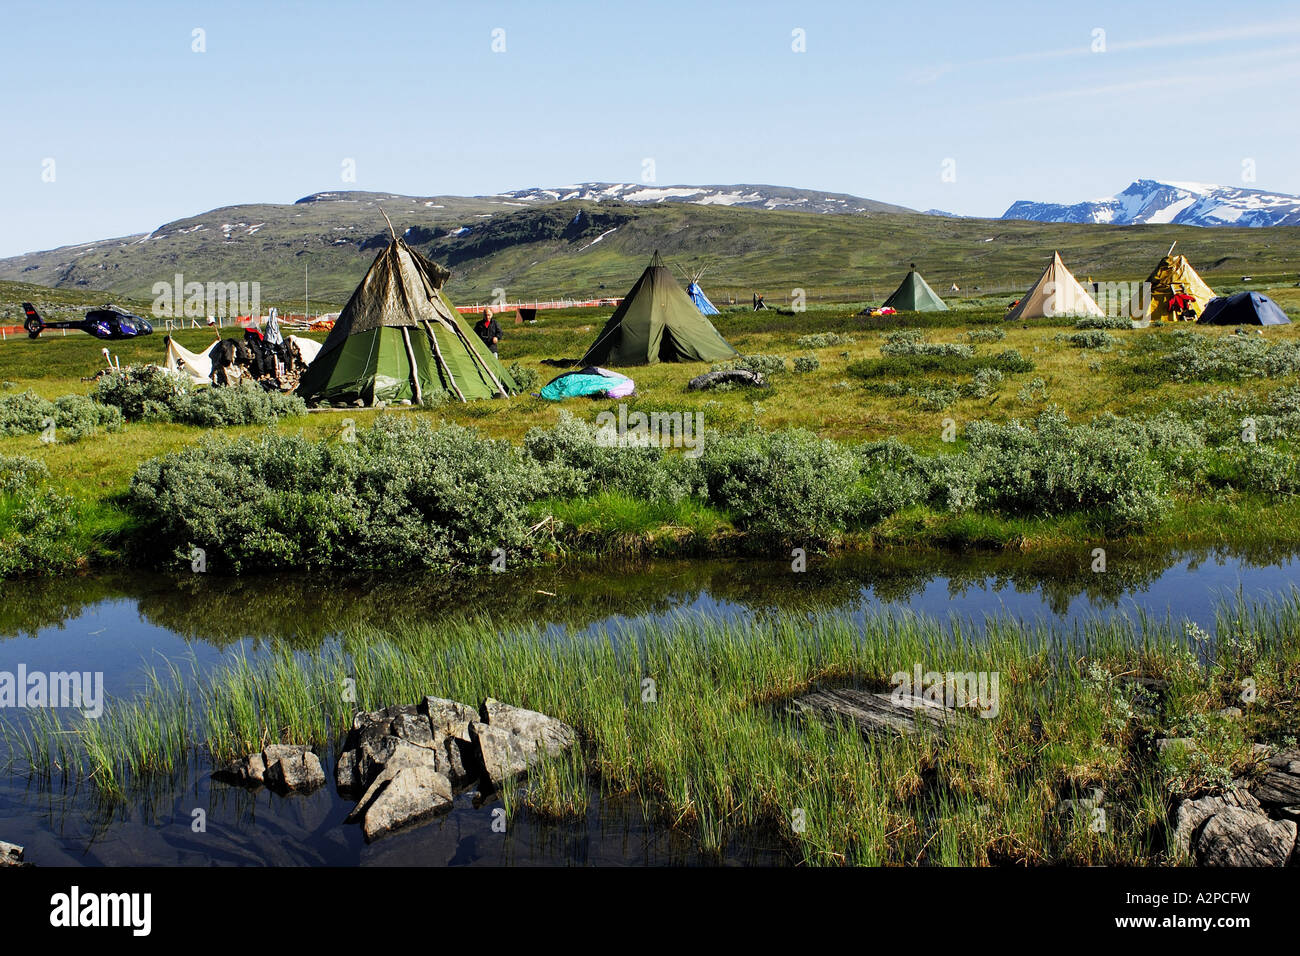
(1057,292)
(196,367)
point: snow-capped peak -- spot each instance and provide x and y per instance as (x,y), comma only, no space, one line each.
(1182,203)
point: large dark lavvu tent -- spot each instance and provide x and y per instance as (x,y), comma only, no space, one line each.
(399,340)
(1244,308)
(657,322)
(915,295)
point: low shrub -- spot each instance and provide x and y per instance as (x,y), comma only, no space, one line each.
(806,363)
(525,377)
(402,495)
(823,340)
(1091,339)
(986,335)
(1104,322)
(147,393)
(37,525)
(133,388)
(789,486)
(911,342)
(74,416)
(1192,357)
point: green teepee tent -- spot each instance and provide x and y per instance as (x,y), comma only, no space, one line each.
(915,295)
(657,322)
(398,340)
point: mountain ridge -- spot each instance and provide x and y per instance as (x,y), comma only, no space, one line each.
(1150,201)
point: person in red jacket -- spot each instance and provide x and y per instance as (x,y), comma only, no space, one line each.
(1181,305)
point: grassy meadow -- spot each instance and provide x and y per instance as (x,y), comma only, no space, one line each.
(849,392)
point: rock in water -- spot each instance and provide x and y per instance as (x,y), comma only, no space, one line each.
(346,776)
(293,769)
(449,716)
(281,767)
(511,739)
(11,854)
(414,728)
(1237,837)
(396,758)
(413,794)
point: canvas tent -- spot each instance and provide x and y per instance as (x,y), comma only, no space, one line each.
(194,367)
(1244,308)
(698,297)
(657,322)
(1057,292)
(398,340)
(1174,273)
(915,295)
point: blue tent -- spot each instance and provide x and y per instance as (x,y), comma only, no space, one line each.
(1244,308)
(700,299)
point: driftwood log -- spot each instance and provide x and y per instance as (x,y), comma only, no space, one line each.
(875,714)
(730,376)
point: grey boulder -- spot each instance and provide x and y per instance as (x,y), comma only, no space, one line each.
(282,767)
(292,768)
(413,794)
(512,739)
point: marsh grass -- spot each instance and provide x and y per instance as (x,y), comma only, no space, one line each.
(714,750)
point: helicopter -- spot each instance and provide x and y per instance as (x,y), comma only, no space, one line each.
(108,323)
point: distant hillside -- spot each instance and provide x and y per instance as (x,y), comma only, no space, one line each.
(1186,204)
(581,248)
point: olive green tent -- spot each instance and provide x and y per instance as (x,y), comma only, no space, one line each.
(657,322)
(398,340)
(915,295)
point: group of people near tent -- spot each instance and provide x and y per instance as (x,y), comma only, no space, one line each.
(400,341)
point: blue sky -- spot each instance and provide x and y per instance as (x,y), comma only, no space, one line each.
(143,130)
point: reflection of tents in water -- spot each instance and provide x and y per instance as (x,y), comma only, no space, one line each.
(399,341)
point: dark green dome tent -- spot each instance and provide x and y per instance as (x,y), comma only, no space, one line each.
(657,322)
(915,295)
(399,340)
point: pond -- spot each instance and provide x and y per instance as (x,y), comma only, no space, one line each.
(123,626)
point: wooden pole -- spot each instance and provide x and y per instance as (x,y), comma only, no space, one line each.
(415,372)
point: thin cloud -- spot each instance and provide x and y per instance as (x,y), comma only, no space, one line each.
(1187,82)
(1251,31)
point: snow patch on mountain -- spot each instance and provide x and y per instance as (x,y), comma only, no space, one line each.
(744,195)
(1179,203)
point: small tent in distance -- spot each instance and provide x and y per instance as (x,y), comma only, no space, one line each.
(398,341)
(1174,274)
(1057,292)
(697,295)
(1244,308)
(657,322)
(915,295)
